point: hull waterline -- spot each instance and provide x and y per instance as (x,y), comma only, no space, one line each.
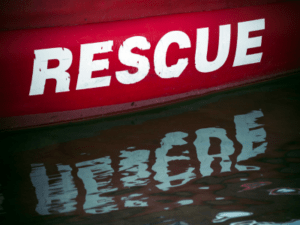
(62,74)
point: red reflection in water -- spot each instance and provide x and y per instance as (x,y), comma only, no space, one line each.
(185,163)
(251,186)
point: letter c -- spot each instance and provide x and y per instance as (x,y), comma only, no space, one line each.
(160,53)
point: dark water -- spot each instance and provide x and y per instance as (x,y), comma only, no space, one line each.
(228,158)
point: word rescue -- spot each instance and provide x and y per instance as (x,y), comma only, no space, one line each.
(87,65)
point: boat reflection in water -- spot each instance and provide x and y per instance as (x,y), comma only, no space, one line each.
(228,158)
(96,174)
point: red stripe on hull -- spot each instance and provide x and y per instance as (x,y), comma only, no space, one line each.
(279,47)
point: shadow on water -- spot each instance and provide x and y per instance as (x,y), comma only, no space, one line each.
(228,158)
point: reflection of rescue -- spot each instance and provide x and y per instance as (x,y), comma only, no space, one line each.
(285,191)
(57,194)
(224,216)
(251,186)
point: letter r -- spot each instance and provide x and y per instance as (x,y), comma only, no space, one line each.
(41,72)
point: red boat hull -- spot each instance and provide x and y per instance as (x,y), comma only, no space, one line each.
(61,74)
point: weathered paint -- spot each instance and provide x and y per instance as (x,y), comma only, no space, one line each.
(62,74)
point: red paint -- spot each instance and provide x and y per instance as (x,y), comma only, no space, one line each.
(280,47)
(16,14)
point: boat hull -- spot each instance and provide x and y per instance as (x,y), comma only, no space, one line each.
(63,74)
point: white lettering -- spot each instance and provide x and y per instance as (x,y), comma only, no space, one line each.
(130,59)
(202,65)
(88,65)
(41,72)
(160,54)
(244,42)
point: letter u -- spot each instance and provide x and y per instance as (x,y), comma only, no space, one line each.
(202,65)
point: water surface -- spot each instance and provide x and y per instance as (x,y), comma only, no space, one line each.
(227,158)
